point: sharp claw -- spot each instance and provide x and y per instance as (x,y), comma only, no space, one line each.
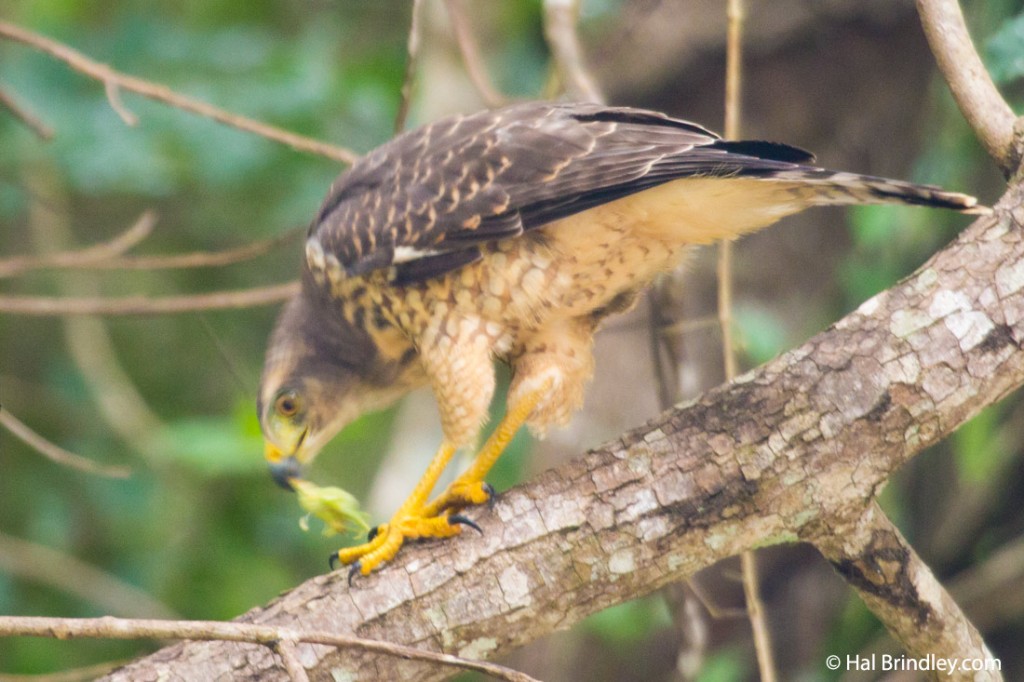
(332,561)
(372,533)
(491,494)
(356,567)
(464,521)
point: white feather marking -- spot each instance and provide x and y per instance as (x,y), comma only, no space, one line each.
(405,254)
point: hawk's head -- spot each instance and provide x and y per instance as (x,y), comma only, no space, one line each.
(311,384)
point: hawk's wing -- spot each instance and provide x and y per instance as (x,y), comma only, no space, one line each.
(425,202)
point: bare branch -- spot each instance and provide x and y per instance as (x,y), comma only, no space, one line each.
(83,258)
(122,628)
(733,109)
(142,305)
(285,648)
(113,80)
(782,454)
(412,57)
(95,257)
(46,566)
(42,131)
(56,453)
(196,259)
(114,98)
(872,555)
(980,102)
(470,52)
(560,31)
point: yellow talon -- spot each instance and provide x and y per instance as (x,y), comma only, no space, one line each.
(417,518)
(392,535)
(460,494)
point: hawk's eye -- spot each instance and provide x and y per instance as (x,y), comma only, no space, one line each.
(287,404)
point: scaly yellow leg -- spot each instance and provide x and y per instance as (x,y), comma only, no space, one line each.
(418,519)
(470,488)
(408,522)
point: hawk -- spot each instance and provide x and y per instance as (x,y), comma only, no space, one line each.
(507,235)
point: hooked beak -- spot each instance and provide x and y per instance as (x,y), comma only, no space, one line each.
(282,469)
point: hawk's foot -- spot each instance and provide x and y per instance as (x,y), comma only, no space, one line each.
(387,539)
(463,492)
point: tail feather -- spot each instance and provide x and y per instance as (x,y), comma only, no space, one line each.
(822,187)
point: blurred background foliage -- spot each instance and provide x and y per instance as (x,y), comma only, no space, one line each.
(199,531)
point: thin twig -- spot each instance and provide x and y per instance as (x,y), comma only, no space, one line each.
(143,305)
(285,648)
(123,628)
(114,98)
(87,339)
(86,260)
(412,57)
(59,570)
(112,80)
(83,258)
(470,52)
(689,326)
(979,100)
(34,123)
(56,453)
(733,108)
(196,259)
(560,30)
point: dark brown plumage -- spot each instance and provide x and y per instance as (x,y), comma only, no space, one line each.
(508,234)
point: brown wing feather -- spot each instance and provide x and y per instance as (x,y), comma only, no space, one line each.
(424,202)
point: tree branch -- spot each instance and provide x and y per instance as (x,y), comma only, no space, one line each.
(560,31)
(54,452)
(470,52)
(143,305)
(93,258)
(113,81)
(83,258)
(121,628)
(980,102)
(412,54)
(46,566)
(872,555)
(33,122)
(782,454)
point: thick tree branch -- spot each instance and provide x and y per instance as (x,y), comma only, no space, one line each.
(114,81)
(782,454)
(980,102)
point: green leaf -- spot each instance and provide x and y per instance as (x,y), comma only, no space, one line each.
(337,508)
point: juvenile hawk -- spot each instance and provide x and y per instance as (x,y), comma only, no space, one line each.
(509,235)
